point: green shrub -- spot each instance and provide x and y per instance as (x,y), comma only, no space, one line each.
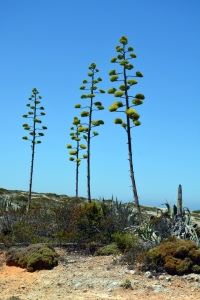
(175,256)
(108,250)
(124,240)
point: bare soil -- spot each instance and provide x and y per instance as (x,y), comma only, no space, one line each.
(54,284)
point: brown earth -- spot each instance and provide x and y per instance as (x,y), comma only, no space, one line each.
(57,283)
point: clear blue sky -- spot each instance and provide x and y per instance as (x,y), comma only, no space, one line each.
(49,44)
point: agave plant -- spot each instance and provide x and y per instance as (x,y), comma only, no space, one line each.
(7,204)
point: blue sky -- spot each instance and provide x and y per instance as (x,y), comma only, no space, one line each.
(50,45)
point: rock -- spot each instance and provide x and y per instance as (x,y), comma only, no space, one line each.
(34,257)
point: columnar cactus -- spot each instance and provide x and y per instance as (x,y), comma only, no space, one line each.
(32,129)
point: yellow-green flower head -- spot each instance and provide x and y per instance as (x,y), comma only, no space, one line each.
(113,107)
(90,95)
(130,48)
(137,123)
(112,72)
(123,40)
(71,158)
(124,62)
(112,91)
(85,156)
(81,128)
(132,113)
(85,114)
(139,74)
(92,66)
(95,133)
(113,60)
(76,121)
(132,81)
(133,55)
(140,96)
(101,91)
(124,88)
(129,67)
(77,106)
(82,87)
(82,146)
(90,74)
(118,121)
(97,103)
(114,78)
(119,49)
(83,96)
(137,101)
(69,146)
(73,152)
(85,81)
(120,56)
(78,160)
(118,94)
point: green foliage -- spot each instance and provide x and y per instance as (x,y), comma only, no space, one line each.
(127,284)
(175,256)
(124,241)
(108,250)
